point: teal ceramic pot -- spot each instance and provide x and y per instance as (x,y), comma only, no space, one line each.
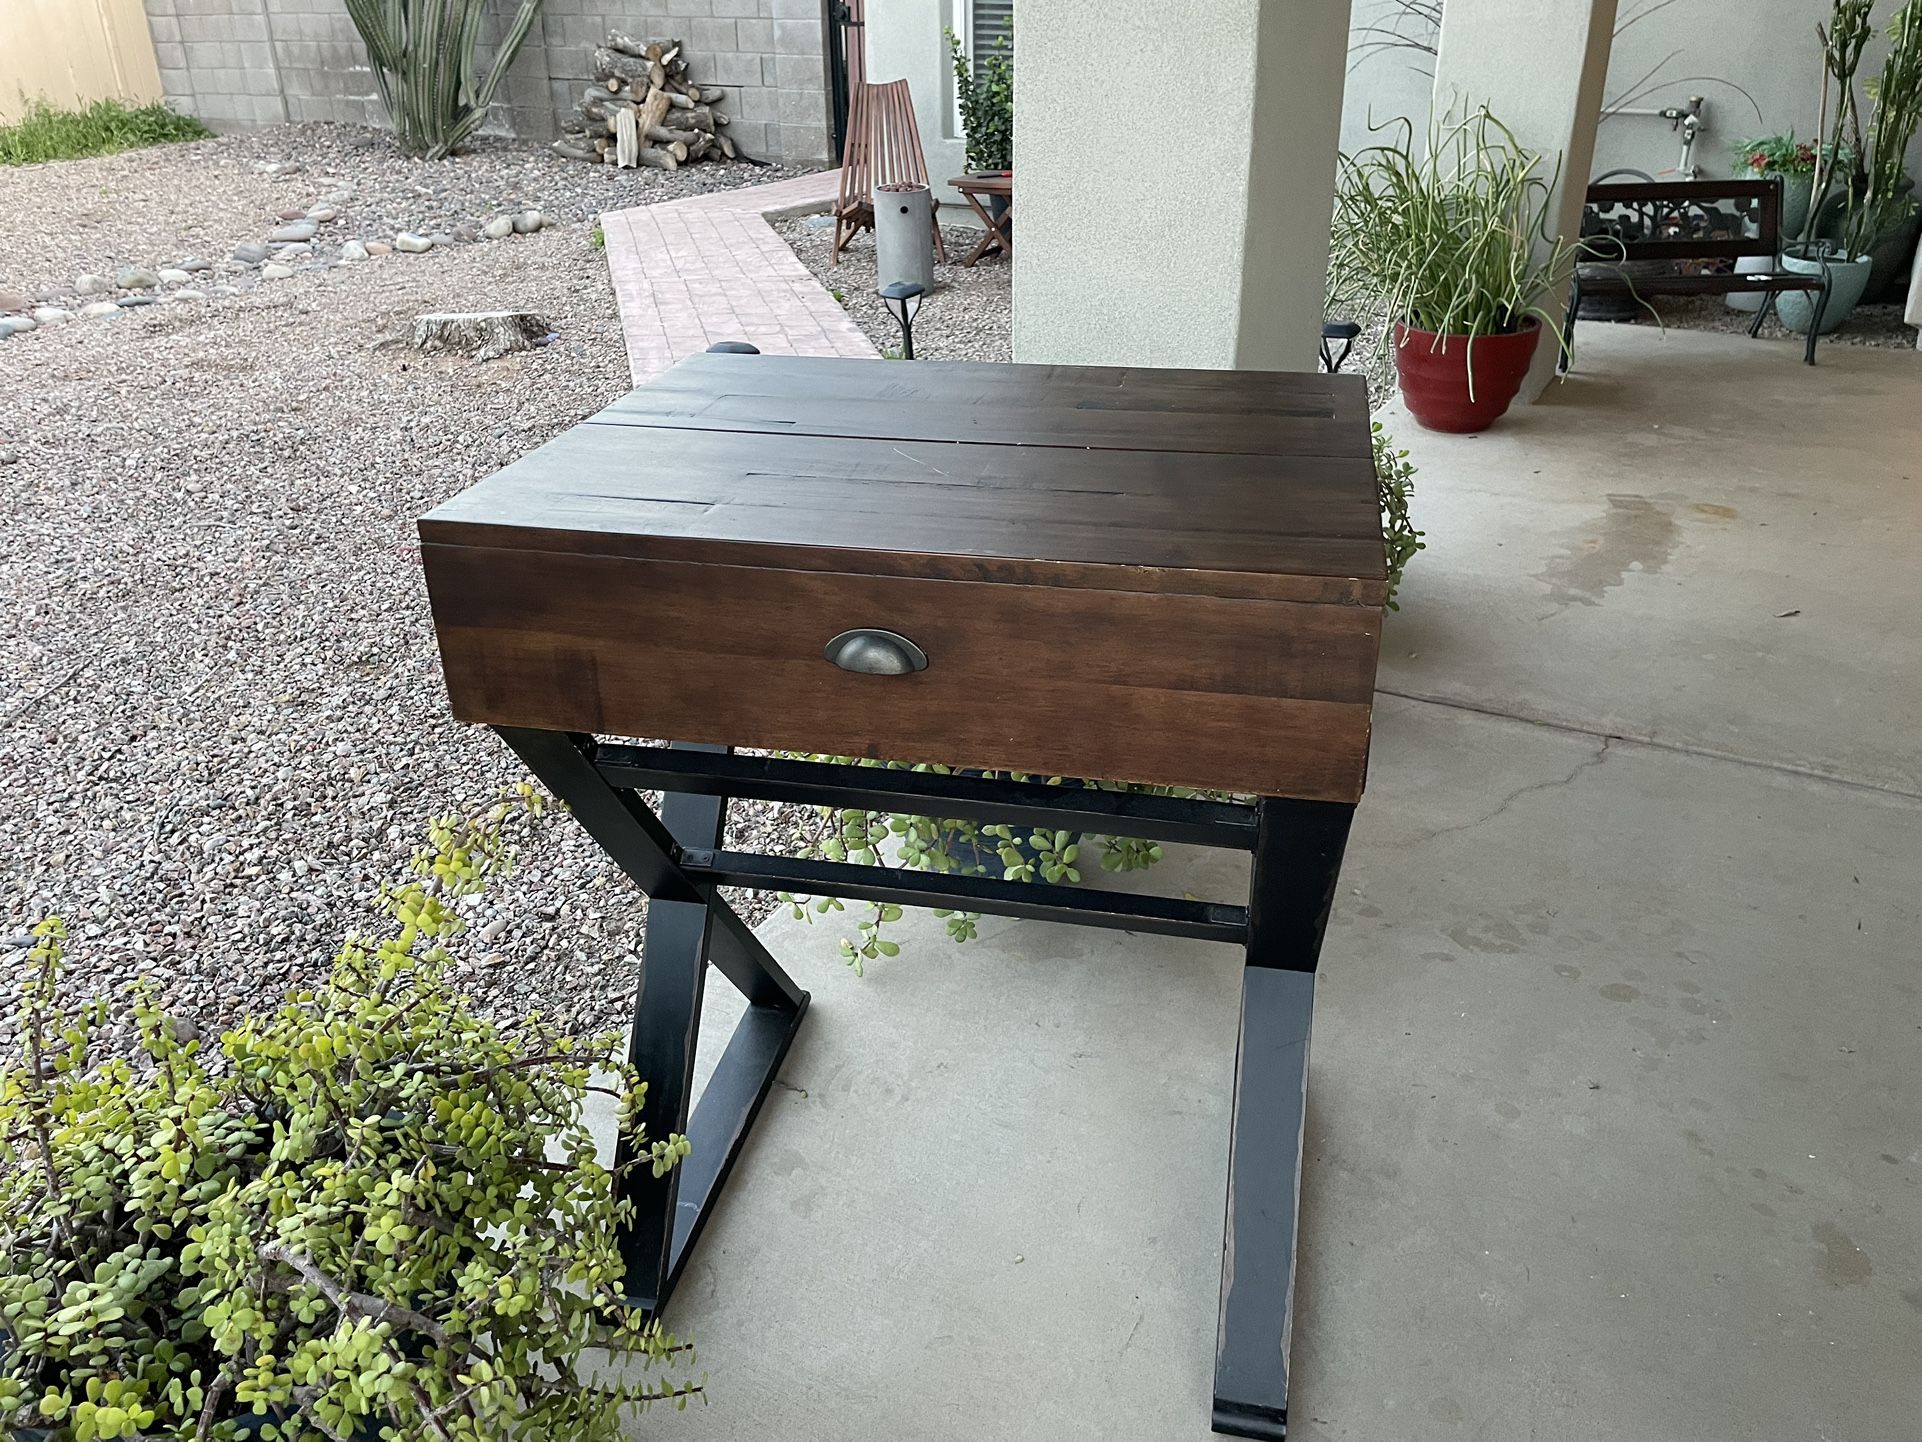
(1796,193)
(1847,280)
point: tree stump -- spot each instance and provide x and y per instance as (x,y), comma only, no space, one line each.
(482,334)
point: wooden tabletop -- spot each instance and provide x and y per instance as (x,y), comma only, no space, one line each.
(1232,483)
(984,184)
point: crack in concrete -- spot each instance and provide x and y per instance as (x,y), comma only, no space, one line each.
(1601,755)
(1674,748)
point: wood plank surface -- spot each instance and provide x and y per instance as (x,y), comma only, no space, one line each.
(1119,573)
(1178,689)
(974,383)
(1270,417)
(1141,520)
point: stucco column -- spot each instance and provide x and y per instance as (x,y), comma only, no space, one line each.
(1540,66)
(1178,231)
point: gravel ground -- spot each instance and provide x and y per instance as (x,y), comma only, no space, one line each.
(969,316)
(1878,326)
(156,206)
(221,715)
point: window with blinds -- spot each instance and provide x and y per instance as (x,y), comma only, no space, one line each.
(981,24)
(988,21)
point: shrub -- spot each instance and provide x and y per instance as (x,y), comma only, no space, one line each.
(104,128)
(423,62)
(987,103)
(377,1210)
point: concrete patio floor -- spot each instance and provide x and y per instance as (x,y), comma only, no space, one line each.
(1615,1128)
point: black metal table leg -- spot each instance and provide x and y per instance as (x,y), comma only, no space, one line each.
(676,859)
(1297,862)
(688,926)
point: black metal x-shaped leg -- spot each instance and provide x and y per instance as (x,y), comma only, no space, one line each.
(677,859)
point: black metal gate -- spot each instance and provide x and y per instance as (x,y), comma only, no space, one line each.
(846,37)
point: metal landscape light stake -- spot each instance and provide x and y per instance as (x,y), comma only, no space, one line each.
(903,299)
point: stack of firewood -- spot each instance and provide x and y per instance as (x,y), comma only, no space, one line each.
(644,110)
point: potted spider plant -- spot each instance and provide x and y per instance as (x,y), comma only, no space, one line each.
(1455,244)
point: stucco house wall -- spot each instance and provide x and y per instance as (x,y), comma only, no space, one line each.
(1685,49)
(905,40)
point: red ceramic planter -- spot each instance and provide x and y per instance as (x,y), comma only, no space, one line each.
(1434,373)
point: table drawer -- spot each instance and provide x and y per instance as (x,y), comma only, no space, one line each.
(1197,690)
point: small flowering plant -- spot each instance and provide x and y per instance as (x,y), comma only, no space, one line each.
(1776,155)
(373,1216)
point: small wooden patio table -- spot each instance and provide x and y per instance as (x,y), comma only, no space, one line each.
(1158,576)
(998,233)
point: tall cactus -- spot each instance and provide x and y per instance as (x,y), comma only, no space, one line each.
(423,61)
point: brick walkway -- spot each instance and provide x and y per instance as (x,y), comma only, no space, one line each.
(690,272)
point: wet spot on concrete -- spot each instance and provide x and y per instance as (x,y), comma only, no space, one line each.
(1438,956)
(1508,1110)
(1892,1159)
(1494,937)
(1663,1036)
(1913,1296)
(1842,1263)
(1715,512)
(1368,911)
(1571,973)
(1633,534)
(1764,1208)
(1687,986)
(1619,991)
(1697,1143)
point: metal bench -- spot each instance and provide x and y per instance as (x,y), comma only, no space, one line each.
(1693,220)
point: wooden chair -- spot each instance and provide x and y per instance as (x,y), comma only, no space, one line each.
(883,148)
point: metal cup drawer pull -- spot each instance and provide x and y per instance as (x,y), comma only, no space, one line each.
(876,653)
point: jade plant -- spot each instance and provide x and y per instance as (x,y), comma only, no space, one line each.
(1395,479)
(951,846)
(373,1214)
(1021,853)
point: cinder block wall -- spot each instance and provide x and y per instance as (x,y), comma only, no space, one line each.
(262,62)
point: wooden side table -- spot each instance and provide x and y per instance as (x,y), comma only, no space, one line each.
(1171,577)
(997,234)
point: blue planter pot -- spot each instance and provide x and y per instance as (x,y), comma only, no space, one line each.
(1848,278)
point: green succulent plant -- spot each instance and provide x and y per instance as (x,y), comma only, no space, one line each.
(951,847)
(376,1214)
(1395,477)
